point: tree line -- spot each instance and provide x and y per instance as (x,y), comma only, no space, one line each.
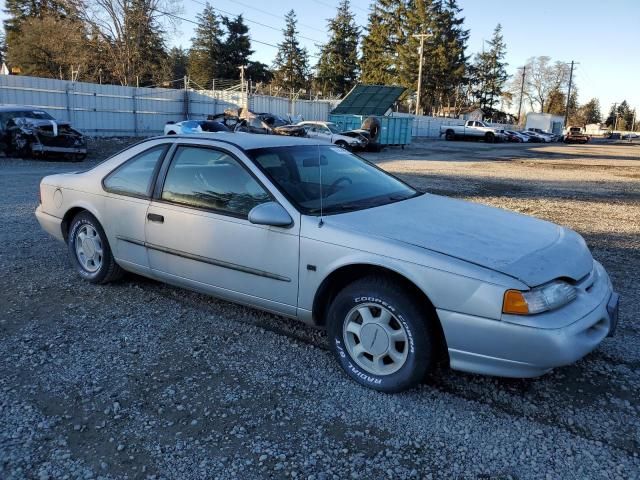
(125,42)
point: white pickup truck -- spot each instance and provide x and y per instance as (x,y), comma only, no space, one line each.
(471,129)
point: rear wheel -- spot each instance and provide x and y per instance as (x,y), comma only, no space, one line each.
(489,137)
(90,251)
(450,135)
(379,335)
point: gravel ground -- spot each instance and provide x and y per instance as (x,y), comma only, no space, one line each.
(142,380)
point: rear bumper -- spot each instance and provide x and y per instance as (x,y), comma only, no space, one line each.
(500,348)
(50,224)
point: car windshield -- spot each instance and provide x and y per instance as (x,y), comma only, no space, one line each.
(275,121)
(39,114)
(333,127)
(344,181)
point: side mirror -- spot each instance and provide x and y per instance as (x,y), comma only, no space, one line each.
(270,213)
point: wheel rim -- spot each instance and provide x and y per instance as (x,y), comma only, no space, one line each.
(375,339)
(89,250)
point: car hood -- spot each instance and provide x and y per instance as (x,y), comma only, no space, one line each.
(531,250)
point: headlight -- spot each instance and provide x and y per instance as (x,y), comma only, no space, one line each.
(540,299)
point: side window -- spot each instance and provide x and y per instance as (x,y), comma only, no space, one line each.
(211,179)
(134,176)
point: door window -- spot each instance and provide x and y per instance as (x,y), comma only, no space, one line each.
(134,176)
(211,179)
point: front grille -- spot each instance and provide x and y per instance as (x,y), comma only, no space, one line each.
(65,141)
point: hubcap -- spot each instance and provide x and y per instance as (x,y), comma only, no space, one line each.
(89,248)
(375,339)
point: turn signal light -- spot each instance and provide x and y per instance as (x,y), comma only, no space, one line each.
(514,302)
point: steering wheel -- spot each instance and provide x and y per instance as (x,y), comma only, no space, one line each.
(340,180)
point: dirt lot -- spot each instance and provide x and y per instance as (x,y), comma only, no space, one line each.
(142,380)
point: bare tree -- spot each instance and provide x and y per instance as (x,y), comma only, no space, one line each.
(133,31)
(542,79)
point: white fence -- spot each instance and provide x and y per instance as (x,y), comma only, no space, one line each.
(112,110)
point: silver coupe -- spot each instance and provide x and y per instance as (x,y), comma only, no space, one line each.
(307,230)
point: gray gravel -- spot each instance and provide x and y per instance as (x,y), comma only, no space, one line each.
(142,380)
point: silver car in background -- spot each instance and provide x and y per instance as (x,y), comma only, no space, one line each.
(310,231)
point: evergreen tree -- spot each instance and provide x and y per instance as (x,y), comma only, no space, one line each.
(236,49)
(337,70)
(177,66)
(590,112)
(97,68)
(556,102)
(18,11)
(145,38)
(291,65)
(379,64)
(259,72)
(49,47)
(620,116)
(444,57)
(489,72)
(625,114)
(44,37)
(206,49)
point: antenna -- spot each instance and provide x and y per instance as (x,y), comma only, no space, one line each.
(320,221)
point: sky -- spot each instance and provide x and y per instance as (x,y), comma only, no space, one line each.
(602,36)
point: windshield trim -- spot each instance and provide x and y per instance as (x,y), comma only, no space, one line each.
(312,212)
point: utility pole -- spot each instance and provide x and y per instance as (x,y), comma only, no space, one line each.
(524,71)
(421,36)
(566,110)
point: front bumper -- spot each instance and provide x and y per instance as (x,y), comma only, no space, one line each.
(40,148)
(506,349)
(50,224)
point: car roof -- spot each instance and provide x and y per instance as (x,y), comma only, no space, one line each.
(15,108)
(249,141)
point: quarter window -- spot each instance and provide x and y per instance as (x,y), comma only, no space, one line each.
(135,176)
(211,179)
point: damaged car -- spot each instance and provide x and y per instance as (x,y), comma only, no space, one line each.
(269,124)
(28,131)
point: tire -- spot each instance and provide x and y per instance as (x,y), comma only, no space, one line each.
(171,132)
(380,296)
(342,144)
(101,268)
(489,137)
(450,135)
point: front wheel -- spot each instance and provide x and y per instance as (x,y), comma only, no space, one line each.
(379,335)
(90,251)
(450,135)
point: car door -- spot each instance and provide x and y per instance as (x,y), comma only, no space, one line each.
(128,191)
(198,233)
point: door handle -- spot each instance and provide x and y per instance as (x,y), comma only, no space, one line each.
(154,217)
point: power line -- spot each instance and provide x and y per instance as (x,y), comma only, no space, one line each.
(254,21)
(193,22)
(177,17)
(274,15)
